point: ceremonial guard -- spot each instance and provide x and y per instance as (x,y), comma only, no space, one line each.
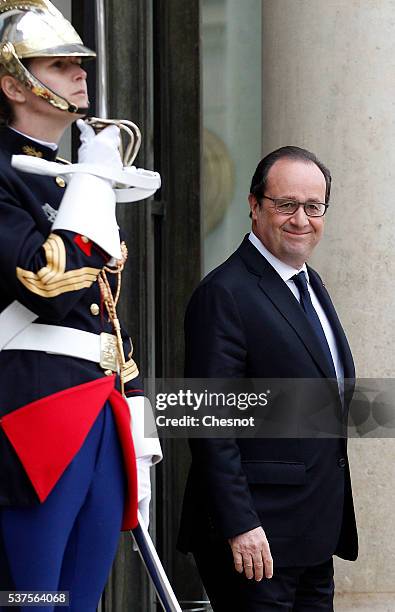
(70,388)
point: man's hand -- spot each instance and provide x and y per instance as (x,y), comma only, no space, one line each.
(251,554)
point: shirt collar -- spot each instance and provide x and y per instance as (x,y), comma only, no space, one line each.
(50,145)
(284,270)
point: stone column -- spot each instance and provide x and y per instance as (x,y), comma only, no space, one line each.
(329,86)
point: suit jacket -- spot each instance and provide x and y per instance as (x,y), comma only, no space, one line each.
(243,321)
(28,204)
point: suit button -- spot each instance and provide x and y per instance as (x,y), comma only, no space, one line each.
(60,181)
(94,308)
(341,462)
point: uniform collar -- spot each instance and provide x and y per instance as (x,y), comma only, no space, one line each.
(17,143)
(45,143)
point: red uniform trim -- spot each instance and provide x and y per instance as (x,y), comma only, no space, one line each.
(86,247)
(122,419)
(134,391)
(48,433)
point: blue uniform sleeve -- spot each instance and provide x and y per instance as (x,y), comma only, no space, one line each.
(132,379)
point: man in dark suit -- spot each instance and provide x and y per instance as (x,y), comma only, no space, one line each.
(264,517)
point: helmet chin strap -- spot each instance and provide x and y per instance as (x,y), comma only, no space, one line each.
(50,96)
(17,69)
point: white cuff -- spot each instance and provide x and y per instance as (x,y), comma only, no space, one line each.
(143,426)
(88,208)
(144,487)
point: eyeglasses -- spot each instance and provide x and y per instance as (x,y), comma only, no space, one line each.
(286,206)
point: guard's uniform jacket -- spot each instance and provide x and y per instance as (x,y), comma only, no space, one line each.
(55,276)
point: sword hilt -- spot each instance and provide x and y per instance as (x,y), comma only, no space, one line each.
(130,136)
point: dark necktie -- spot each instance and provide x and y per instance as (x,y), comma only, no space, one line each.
(300,281)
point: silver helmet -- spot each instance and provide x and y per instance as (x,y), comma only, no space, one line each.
(35,28)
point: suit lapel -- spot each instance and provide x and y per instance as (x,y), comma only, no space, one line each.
(282,298)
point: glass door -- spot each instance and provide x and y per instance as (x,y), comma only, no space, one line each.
(232,110)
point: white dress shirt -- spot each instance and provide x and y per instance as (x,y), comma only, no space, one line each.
(287,272)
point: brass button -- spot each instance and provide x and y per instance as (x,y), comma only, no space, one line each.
(60,181)
(94,309)
(84,239)
(108,372)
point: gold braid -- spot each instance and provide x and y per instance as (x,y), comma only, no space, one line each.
(111,301)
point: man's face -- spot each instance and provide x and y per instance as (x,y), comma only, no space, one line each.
(291,238)
(64,75)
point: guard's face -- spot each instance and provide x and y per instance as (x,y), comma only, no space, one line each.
(64,75)
(291,238)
